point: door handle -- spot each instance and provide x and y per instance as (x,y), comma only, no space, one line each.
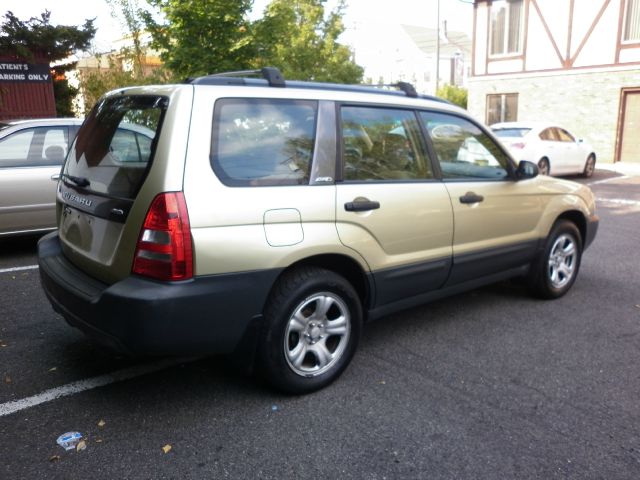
(471,197)
(363,205)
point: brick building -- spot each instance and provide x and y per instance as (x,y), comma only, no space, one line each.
(573,62)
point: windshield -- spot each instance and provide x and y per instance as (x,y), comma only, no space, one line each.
(511,132)
(114,148)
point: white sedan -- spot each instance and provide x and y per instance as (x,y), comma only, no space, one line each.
(552,148)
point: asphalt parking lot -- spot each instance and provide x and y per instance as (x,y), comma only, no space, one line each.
(491,384)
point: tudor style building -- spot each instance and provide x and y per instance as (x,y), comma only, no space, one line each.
(573,62)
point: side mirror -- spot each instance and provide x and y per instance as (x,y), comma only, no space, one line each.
(526,170)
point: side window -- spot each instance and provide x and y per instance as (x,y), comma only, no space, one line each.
(14,149)
(54,146)
(463,150)
(34,147)
(565,136)
(548,135)
(263,142)
(382,144)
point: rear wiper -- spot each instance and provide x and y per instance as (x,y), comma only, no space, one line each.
(79,181)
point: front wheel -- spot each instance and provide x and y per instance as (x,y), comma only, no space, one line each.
(553,272)
(313,322)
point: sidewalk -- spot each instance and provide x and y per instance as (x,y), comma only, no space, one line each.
(626,168)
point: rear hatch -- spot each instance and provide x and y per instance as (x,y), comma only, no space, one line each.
(117,165)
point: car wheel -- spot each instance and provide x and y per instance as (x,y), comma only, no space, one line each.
(543,166)
(553,272)
(589,166)
(313,322)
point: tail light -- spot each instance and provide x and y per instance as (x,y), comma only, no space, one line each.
(164,249)
(518,145)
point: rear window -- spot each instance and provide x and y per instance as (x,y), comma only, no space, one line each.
(511,132)
(115,146)
(263,142)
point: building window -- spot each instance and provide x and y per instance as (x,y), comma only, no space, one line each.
(506,27)
(632,21)
(502,107)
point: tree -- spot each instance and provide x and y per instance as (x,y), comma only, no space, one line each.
(199,37)
(457,95)
(37,40)
(127,67)
(297,37)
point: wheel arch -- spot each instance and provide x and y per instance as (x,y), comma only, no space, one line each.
(341,264)
(546,159)
(578,219)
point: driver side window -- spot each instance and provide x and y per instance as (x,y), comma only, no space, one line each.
(464,151)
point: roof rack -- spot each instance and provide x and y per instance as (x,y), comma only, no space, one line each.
(270,74)
(274,78)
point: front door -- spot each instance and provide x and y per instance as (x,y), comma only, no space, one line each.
(495,216)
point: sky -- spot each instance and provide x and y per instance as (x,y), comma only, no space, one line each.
(366,21)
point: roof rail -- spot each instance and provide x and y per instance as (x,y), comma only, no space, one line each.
(271,74)
(407,88)
(274,78)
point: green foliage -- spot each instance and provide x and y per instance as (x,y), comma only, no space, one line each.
(456,95)
(200,37)
(37,37)
(37,40)
(97,82)
(297,37)
(63,93)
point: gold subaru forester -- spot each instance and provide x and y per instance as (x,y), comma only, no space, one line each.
(271,218)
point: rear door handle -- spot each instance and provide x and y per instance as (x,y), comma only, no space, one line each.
(471,197)
(361,206)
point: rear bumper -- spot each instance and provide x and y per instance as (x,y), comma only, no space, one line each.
(139,316)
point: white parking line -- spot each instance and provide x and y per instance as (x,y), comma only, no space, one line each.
(618,201)
(606,180)
(18,269)
(88,384)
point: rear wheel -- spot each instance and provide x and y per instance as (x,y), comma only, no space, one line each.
(553,272)
(313,322)
(543,166)
(589,166)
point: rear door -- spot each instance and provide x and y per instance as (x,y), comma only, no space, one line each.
(28,159)
(390,208)
(574,155)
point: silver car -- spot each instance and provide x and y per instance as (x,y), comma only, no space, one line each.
(31,152)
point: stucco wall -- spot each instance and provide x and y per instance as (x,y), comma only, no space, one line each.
(586,103)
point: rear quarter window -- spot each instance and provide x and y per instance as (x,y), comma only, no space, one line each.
(260,142)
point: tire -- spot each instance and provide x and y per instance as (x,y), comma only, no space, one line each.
(553,272)
(543,166)
(313,323)
(589,166)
